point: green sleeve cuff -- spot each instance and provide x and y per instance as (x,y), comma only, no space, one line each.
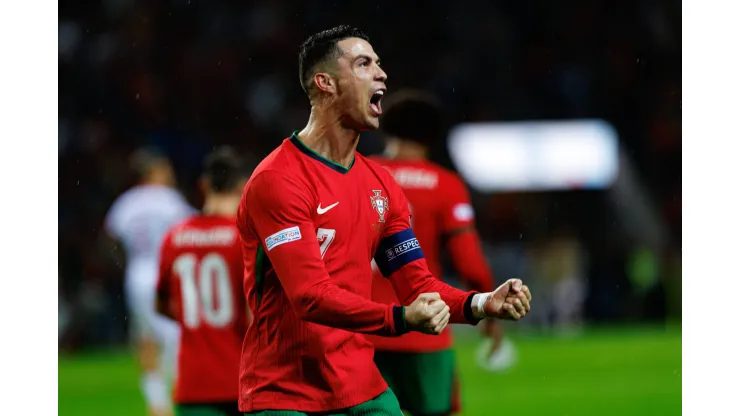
(399,320)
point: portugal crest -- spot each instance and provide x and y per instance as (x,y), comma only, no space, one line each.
(380,204)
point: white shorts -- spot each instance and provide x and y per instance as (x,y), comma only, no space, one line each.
(145,322)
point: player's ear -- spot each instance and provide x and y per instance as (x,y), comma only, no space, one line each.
(325,82)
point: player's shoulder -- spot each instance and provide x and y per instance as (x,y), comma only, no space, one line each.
(146,197)
(431,167)
(184,224)
(203,230)
(279,164)
(201,220)
(127,198)
(421,174)
(277,181)
(432,173)
(128,204)
(141,192)
(173,230)
(447,177)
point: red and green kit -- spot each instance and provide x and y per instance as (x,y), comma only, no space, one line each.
(310,229)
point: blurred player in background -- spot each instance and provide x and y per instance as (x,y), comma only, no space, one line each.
(312,217)
(200,286)
(420,368)
(138,221)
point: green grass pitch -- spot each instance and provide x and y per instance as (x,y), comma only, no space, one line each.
(605,372)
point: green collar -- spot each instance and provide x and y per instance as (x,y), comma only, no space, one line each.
(312,154)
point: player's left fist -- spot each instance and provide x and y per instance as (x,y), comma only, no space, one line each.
(428,314)
(509,301)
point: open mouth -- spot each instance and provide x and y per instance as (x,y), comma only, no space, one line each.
(375,102)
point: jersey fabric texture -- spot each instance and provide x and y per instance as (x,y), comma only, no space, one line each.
(201,281)
(310,229)
(442,219)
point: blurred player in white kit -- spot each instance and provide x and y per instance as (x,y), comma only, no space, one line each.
(138,220)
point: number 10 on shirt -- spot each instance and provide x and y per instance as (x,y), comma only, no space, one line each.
(202,297)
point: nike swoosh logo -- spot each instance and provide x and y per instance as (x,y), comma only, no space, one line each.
(321,211)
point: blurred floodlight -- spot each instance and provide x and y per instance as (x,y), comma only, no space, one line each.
(535,156)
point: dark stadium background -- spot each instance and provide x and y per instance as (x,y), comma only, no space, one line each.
(188,75)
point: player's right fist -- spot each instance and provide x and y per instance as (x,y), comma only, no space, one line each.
(509,301)
(428,314)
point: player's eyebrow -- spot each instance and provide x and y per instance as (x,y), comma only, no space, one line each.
(368,57)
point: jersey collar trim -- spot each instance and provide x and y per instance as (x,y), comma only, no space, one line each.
(310,153)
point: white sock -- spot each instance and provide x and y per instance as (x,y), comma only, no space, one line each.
(156,392)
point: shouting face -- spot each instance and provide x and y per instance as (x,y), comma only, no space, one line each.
(360,84)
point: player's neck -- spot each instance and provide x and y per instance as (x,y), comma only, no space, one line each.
(325,135)
(155,179)
(221,205)
(162,184)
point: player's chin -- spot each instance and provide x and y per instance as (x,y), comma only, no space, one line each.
(373,123)
(370,123)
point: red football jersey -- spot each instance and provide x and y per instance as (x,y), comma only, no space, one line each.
(200,279)
(309,229)
(442,218)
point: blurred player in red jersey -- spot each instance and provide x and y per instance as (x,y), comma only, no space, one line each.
(312,217)
(201,286)
(420,368)
(137,221)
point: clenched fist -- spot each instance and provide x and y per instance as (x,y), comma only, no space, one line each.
(428,314)
(509,301)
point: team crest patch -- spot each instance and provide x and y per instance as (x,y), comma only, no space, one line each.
(380,205)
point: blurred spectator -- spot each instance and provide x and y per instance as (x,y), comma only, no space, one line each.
(560,277)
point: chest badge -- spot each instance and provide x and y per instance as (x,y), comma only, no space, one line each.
(380,205)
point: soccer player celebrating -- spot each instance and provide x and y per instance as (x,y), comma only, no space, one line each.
(311,218)
(138,220)
(201,287)
(420,368)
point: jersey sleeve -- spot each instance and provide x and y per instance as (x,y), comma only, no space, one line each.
(400,258)
(456,211)
(236,261)
(279,211)
(461,238)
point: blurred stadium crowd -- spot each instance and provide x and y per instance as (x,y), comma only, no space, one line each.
(186,75)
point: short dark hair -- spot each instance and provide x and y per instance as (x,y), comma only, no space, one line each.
(414,115)
(143,160)
(224,168)
(319,48)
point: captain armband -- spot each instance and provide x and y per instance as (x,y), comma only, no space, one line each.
(396,251)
